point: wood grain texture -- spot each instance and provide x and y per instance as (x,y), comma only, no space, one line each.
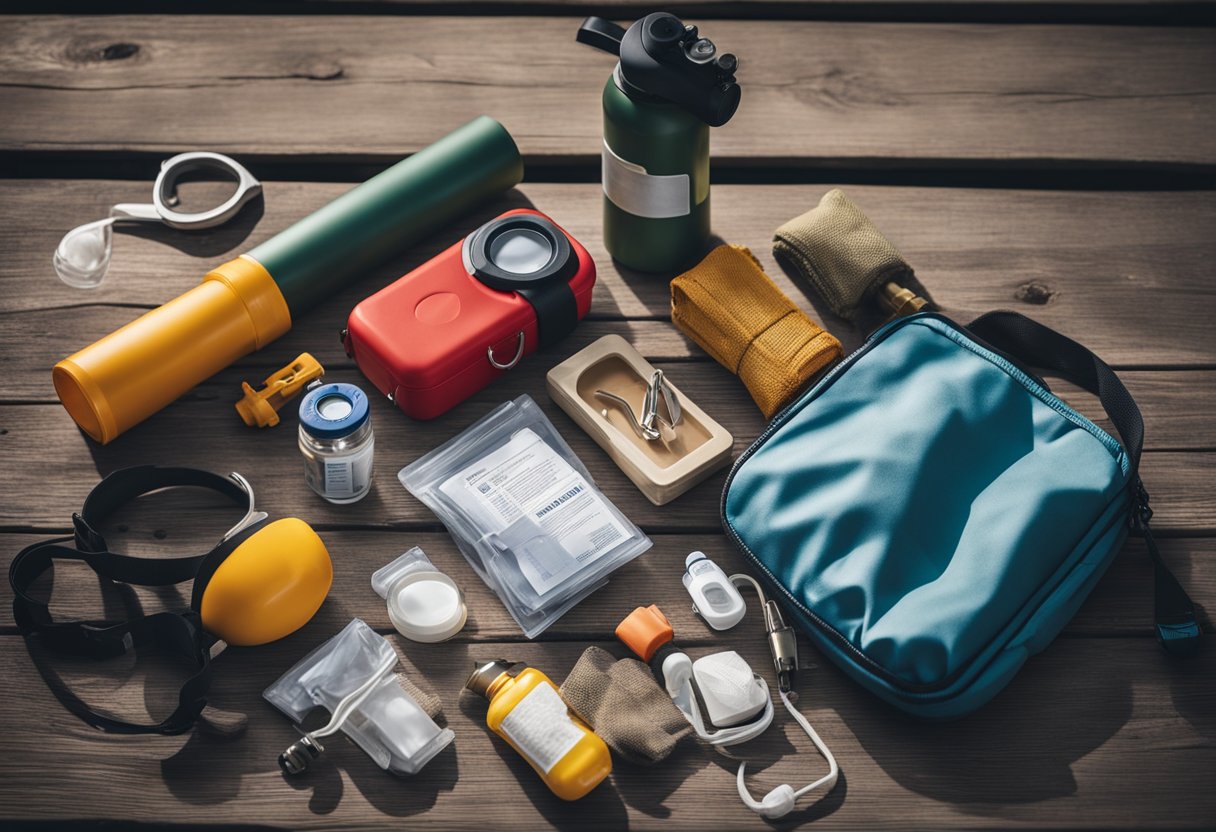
(817,94)
(55,465)
(1101,730)
(1089,749)
(1104,268)
(1121,605)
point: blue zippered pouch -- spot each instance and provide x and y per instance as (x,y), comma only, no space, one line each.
(932,515)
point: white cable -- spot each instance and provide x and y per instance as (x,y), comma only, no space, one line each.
(780,801)
(740,576)
(353,700)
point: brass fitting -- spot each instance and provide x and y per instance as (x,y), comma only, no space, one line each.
(901,301)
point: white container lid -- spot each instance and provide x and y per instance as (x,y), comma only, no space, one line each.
(424,604)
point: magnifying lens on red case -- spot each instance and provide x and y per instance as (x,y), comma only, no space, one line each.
(529,255)
(83,255)
(515,253)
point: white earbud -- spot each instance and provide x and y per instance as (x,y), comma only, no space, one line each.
(778,803)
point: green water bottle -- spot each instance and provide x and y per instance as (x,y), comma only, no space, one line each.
(668,89)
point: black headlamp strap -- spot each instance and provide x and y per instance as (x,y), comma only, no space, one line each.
(125,484)
(174,632)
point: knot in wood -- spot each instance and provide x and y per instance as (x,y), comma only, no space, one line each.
(118,51)
(1036,294)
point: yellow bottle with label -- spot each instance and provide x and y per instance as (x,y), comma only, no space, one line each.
(527,711)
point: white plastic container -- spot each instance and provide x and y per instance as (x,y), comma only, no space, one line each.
(424,604)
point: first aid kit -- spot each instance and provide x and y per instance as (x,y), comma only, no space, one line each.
(978,512)
(264,580)
(464,318)
(926,510)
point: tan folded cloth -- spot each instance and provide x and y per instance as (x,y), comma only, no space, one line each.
(844,257)
(622,702)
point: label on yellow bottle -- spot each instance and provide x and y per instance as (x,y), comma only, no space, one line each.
(541,728)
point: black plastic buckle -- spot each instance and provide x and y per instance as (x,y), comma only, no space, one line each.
(104,643)
(87,539)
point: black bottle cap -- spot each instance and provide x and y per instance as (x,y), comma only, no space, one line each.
(663,58)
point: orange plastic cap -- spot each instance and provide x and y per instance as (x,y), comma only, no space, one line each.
(644,631)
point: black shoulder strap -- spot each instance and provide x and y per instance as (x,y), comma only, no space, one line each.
(1038,345)
(180,633)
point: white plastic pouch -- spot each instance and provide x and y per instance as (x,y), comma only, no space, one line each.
(525,512)
(355,667)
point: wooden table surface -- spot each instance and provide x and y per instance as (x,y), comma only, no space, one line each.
(1054,157)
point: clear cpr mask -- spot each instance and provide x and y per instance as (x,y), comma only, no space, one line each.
(82,257)
(351,676)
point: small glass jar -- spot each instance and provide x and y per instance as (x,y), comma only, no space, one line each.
(337,442)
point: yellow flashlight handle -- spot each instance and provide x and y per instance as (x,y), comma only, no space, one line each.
(122,379)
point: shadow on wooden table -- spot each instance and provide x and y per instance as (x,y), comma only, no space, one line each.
(209,243)
(1020,748)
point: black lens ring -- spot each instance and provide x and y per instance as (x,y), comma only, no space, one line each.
(562,265)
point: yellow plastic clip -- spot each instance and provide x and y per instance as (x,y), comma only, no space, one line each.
(261,407)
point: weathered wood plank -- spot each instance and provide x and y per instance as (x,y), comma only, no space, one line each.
(1122,604)
(818,94)
(1105,268)
(57,464)
(1091,733)
(1175,403)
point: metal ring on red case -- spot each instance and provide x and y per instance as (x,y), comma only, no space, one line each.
(519,353)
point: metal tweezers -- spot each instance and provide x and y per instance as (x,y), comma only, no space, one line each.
(659,396)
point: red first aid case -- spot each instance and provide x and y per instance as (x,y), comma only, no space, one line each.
(465,317)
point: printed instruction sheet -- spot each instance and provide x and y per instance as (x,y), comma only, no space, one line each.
(527,477)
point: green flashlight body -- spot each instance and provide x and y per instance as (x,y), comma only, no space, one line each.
(389,212)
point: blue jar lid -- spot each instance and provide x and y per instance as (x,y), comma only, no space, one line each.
(332,411)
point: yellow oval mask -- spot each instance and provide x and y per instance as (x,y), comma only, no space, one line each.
(266,586)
